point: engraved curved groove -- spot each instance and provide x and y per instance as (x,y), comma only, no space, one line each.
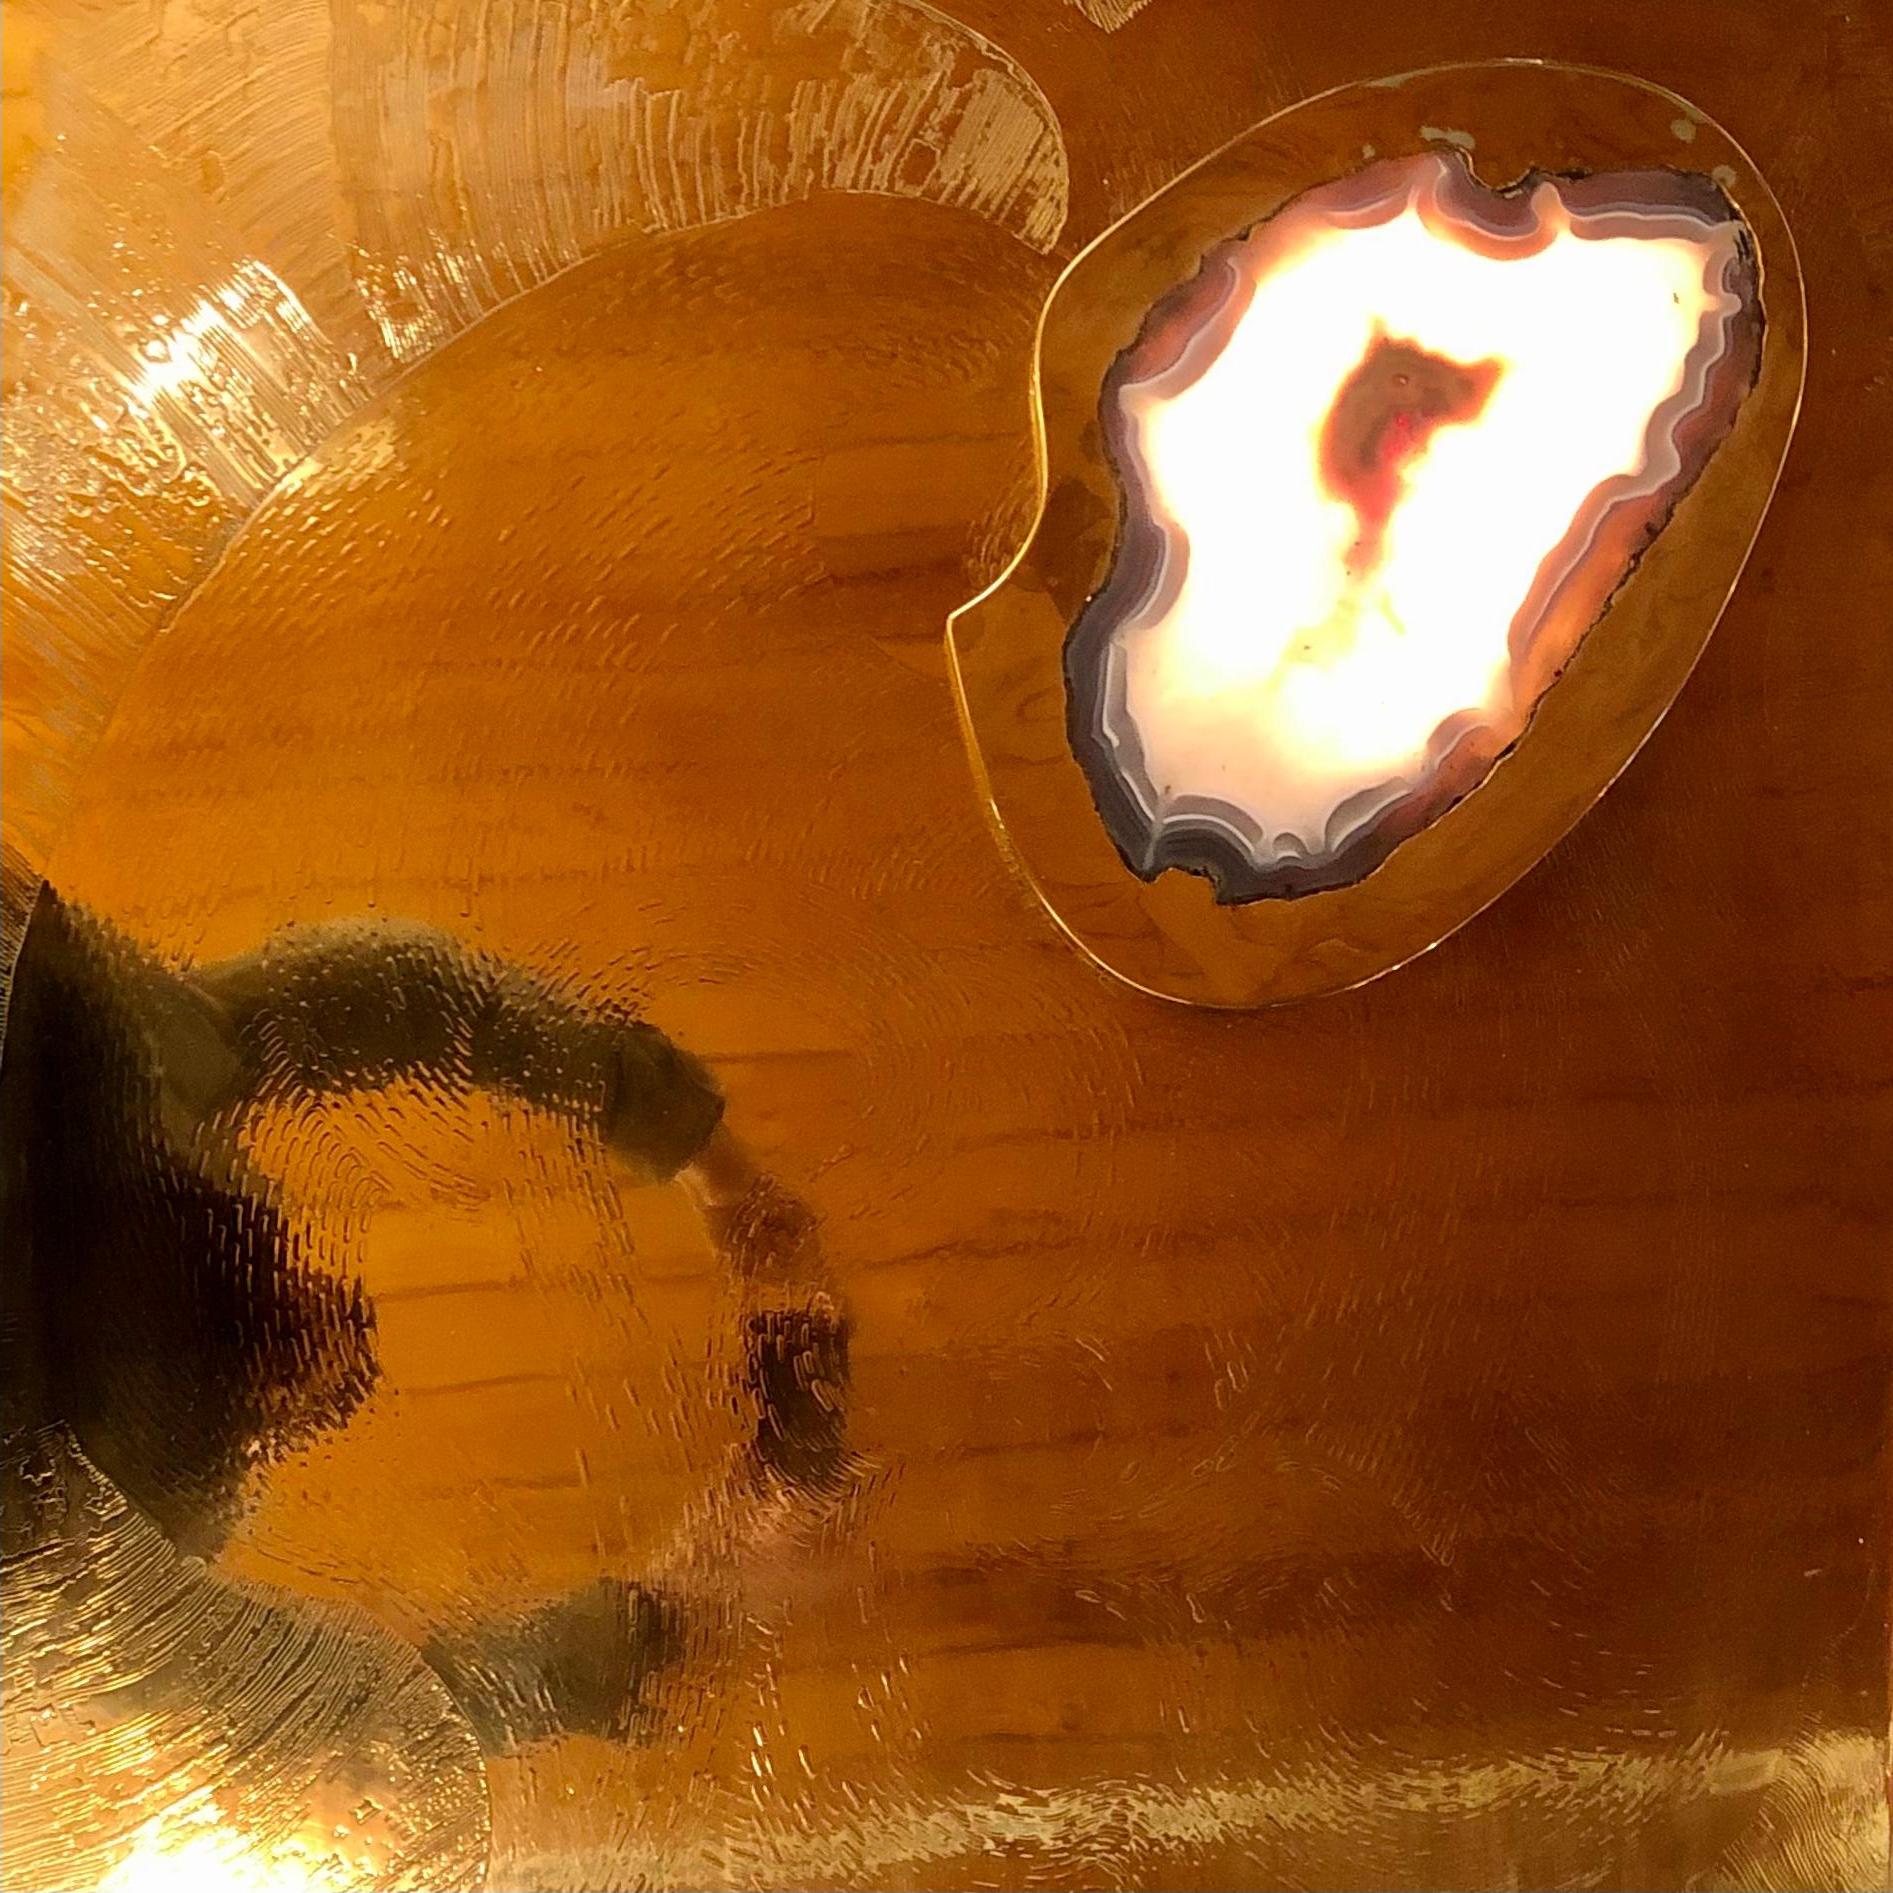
(230,230)
(165,1728)
(1326,620)
(162,380)
(1110,14)
(651,125)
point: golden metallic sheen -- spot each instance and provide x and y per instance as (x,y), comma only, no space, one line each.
(595,1296)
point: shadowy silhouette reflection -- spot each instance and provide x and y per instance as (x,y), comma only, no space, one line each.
(162,1307)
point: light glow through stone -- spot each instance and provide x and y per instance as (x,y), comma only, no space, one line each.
(1383,461)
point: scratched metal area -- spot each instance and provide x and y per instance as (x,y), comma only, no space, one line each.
(593,1297)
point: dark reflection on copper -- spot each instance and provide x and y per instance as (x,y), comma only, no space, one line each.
(589,1663)
(163,1313)
(167,1312)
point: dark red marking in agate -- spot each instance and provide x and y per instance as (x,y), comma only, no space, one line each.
(1382,418)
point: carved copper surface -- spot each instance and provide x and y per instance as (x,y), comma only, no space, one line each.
(608,1301)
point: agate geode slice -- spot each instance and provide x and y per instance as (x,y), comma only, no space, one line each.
(1381,464)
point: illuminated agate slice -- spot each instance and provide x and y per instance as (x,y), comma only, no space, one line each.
(1383,462)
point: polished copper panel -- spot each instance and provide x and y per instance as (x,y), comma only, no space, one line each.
(484,490)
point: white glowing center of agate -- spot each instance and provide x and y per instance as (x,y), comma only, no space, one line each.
(1339,681)
(1300,660)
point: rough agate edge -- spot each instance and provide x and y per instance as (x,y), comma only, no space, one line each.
(1245,854)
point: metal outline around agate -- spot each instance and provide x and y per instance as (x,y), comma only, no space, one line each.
(1169,936)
